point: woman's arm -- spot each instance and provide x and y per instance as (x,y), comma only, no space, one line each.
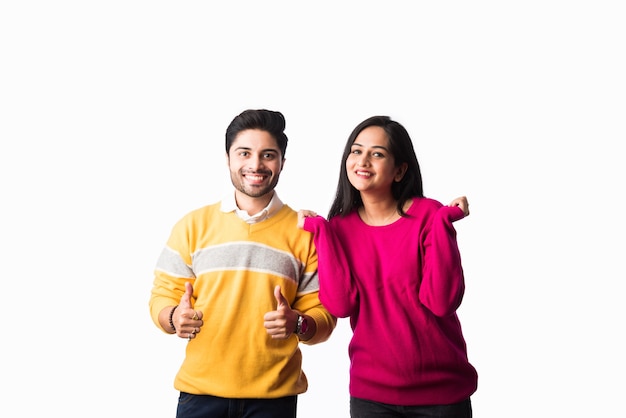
(338,292)
(443,283)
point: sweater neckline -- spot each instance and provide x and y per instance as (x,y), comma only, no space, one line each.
(397,221)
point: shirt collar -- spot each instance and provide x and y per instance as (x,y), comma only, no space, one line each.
(229,204)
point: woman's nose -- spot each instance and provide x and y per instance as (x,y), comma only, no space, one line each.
(362,160)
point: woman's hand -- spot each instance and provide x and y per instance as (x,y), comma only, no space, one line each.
(462,203)
(302,214)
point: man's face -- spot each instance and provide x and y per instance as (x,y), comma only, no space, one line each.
(255,163)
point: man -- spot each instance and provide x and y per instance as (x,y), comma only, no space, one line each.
(238,280)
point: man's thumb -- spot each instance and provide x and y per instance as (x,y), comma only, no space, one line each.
(185,301)
(282,302)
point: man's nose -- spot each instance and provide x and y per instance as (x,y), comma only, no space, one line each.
(255,162)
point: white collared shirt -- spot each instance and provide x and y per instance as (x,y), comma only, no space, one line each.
(229,204)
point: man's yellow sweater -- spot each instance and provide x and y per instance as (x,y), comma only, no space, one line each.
(234,267)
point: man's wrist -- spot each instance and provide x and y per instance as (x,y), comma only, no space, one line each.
(171,319)
(302,325)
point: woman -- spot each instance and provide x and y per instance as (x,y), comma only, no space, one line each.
(389,260)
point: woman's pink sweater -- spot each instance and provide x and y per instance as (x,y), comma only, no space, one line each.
(400,285)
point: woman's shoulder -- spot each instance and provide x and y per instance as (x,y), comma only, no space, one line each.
(424,205)
(340,220)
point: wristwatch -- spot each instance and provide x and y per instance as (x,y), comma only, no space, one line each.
(302,325)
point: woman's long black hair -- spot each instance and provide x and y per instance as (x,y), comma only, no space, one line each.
(348,198)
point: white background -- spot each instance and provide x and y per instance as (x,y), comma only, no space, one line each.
(112,120)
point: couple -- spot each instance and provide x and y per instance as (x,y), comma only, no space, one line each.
(246,279)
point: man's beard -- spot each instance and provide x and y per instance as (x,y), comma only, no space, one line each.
(252,191)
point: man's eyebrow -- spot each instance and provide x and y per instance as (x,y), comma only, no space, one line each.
(275,150)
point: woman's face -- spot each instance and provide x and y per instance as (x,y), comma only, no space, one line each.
(370,165)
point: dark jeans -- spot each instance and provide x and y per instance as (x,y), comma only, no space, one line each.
(360,408)
(206,406)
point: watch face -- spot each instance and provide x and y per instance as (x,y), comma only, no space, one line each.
(305,326)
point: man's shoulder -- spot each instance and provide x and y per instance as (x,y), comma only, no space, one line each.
(288,210)
(203,211)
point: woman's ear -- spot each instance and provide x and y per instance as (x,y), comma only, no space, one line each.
(400,172)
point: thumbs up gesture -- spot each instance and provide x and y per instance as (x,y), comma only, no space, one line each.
(280,323)
(188,321)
